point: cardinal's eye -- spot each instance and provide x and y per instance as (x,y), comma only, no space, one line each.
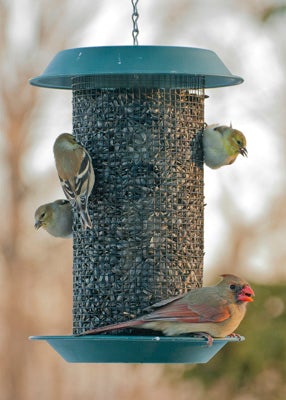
(232,286)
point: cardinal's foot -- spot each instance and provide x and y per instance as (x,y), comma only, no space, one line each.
(204,335)
(235,335)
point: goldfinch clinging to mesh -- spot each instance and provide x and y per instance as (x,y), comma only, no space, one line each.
(74,166)
(222,144)
(55,218)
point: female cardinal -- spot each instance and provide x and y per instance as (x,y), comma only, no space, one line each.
(213,311)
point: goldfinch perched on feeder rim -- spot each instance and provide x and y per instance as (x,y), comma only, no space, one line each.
(222,144)
(55,218)
(210,311)
(74,166)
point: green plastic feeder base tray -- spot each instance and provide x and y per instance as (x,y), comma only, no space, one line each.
(135,349)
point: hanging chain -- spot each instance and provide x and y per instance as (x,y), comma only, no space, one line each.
(135,17)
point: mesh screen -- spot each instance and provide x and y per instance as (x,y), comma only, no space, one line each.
(147,205)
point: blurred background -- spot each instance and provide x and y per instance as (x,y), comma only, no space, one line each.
(245,217)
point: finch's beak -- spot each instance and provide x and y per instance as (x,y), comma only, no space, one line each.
(38,224)
(243,151)
(246,294)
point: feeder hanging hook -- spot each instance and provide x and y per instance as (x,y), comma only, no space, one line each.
(135,16)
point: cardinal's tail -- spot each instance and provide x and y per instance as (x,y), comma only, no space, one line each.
(127,324)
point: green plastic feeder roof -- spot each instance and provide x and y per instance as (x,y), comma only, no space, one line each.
(136,66)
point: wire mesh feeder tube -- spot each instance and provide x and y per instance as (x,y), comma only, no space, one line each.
(146,243)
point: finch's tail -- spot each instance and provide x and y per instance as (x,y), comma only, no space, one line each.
(85,219)
(84,215)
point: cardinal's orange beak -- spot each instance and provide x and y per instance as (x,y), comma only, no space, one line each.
(246,294)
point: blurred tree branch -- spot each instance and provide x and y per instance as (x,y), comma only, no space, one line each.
(55,25)
(42,29)
(272,11)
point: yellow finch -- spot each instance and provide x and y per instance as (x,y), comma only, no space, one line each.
(222,144)
(76,173)
(55,218)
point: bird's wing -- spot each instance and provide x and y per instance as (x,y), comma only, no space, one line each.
(178,311)
(76,184)
(83,176)
(164,302)
(68,189)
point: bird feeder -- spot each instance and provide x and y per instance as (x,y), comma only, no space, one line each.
(138,110)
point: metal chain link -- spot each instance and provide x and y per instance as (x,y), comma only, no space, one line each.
(135,17)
